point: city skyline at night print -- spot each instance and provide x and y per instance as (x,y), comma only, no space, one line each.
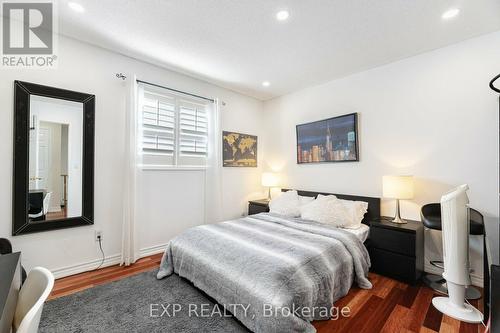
(330,140)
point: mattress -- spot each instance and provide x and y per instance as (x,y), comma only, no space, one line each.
(362,232)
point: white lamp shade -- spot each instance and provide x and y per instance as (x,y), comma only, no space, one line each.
(398,187)
(270,179)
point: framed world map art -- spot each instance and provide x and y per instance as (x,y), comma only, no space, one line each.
(239,150)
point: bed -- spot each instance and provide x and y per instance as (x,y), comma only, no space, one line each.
(274,273)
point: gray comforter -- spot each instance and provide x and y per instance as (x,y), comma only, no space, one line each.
(275,274)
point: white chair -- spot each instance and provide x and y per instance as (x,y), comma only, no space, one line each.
(32,296)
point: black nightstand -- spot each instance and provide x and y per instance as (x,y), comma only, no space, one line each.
(397,250)
(258,206)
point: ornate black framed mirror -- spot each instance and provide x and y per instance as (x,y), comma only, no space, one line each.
(53,181)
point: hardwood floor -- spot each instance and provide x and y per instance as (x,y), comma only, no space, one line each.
(62,214)
(390,307)
(393,306)
(72,284)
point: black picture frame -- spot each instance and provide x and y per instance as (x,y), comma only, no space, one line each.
(356,139)
(20,187)
(226,156)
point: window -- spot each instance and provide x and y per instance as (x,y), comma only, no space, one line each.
(173,129)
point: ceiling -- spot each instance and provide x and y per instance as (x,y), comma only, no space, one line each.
(238,44)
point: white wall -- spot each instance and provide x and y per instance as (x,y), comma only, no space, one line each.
(432,116)
(92,70)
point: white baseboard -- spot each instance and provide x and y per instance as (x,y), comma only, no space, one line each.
(149,251)
(108,261)
(475,279)
(86,266)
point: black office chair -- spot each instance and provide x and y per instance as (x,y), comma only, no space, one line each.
(431,218)
(6,248)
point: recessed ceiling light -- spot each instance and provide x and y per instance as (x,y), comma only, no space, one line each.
(451,13)
(76,7)
(266,83)
(282,15)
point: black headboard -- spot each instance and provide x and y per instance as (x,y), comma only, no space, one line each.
(373,212)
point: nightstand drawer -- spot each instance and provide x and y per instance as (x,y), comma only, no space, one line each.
(392,240)
(256,209)
(394,265)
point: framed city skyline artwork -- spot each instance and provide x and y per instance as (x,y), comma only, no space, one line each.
(239,150)
(329,140)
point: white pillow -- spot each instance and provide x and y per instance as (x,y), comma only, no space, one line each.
(326,197)
(287,204)
(356,211)
(337,212)
(303,200)
(326,210)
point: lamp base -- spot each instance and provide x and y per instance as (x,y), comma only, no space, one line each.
(397,218)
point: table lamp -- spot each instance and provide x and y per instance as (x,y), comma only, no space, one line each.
(270,179)
(399,188)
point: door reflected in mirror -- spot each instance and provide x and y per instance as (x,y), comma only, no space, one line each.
(55,159)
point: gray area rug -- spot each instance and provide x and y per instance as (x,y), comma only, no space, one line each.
(125,306)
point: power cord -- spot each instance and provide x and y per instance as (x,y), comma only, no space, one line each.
(482,321)
(102,252)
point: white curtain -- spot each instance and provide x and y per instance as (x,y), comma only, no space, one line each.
(130,247)
(213,178)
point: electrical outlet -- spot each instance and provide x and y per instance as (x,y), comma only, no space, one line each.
(98,235)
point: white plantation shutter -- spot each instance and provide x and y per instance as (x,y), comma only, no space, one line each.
(174,129)
(158,124)
(193,125)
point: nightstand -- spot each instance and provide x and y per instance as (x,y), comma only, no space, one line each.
(397,250)
(258,206)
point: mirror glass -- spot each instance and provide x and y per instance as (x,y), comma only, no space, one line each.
(55,159)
